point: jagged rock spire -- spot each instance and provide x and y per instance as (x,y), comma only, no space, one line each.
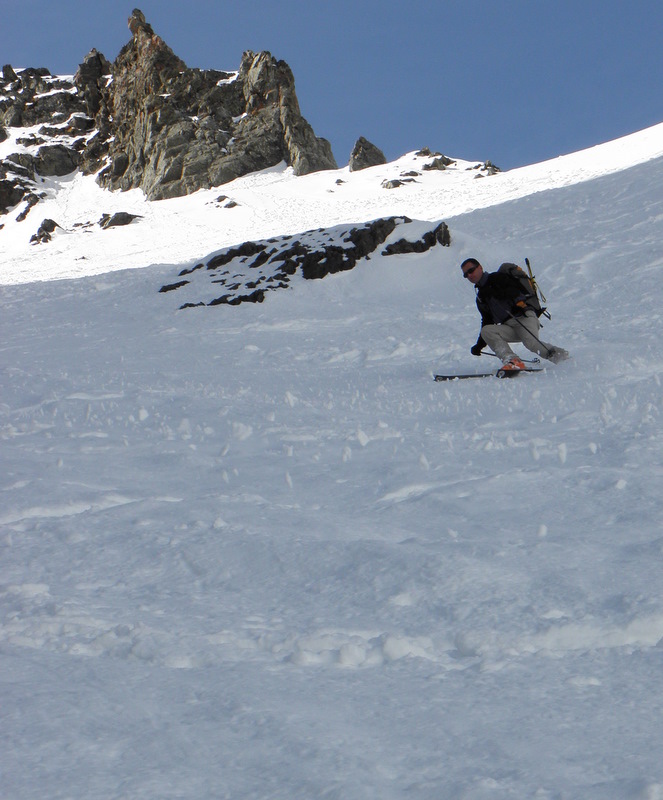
(138,22)
(178,129)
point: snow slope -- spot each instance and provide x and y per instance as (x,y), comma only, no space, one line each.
(257,552)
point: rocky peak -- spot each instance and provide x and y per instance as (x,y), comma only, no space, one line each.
(148,121)
(176,129)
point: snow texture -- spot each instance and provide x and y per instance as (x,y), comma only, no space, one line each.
(256,552)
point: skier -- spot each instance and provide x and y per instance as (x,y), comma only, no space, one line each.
(508,314)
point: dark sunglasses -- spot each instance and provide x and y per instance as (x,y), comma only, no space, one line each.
(469,271)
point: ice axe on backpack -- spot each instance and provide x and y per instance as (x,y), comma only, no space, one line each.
(537,288)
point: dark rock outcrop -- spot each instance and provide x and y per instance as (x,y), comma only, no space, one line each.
(11,193)
(365,154)
(487,168)
(439,235)
(440,162)
(35,98)
(247,272)
(392,183)
(91,79)
(17,185)
(56,160)
(117,220)
(44,232)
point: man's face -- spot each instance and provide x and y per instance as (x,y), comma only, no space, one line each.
(473,272)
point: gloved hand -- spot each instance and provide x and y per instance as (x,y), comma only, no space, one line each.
(476,350)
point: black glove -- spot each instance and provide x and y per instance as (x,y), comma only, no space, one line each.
(476,350)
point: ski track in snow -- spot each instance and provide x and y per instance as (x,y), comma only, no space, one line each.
(257,552)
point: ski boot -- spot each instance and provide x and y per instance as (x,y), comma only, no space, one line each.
(510,368)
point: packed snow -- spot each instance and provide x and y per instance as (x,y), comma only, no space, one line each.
(256,552)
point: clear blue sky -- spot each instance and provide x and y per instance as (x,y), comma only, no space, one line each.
(513,81)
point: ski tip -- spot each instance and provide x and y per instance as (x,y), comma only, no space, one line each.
(513,373)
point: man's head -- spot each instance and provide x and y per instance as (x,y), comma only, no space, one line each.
(472,270)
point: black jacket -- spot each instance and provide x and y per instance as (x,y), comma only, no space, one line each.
(499,297)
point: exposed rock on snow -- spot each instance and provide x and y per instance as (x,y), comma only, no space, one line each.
(440,235)
(117,220)
(365,154)
(44,232)
(250,270)
(487,168)
(391,184)
(58,128)
(441,162)
(50,160)
(12,190)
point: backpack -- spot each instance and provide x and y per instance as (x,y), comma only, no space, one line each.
(528,284)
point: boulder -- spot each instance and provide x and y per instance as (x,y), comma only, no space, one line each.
(50,160)
(11,194)
(441,163)
(56,160)
(117,220)
(44,232)
(365,154)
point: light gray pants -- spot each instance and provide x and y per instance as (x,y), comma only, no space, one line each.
(519,329)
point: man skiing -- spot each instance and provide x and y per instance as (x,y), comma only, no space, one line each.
(508,314)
